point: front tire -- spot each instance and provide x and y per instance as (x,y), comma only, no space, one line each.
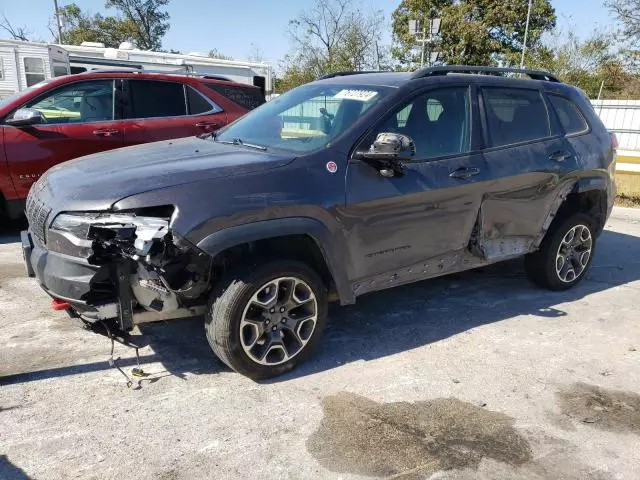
(565,254)
(262,322)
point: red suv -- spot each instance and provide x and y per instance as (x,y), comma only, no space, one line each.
(76,115)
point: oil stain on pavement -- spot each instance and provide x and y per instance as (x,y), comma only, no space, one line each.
(410,440)
(610,410)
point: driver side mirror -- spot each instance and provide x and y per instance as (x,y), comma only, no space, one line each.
(388,152)
(24,117)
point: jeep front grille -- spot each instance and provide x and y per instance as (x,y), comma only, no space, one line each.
(37,214)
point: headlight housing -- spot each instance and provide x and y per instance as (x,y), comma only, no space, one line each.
(70,231)
(77,224)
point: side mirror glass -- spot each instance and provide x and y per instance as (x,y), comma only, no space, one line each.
(25,116)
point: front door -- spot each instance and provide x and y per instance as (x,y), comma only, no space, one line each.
(430,210)
(78,120)
(160,110)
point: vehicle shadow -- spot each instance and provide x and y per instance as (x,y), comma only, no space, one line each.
(9,471)
(386,322)
(10,229)
(410,316)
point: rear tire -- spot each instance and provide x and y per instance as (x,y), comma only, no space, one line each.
(565,254)
(262,322)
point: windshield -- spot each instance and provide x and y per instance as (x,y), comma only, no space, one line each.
(11,98)
(304,119)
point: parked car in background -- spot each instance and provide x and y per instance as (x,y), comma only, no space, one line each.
(75,115)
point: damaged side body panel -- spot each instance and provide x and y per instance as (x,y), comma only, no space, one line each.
(148,269)
(510,224)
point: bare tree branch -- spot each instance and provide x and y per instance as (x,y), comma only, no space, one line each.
(17,33)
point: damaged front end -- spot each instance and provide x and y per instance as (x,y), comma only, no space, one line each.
(145,272)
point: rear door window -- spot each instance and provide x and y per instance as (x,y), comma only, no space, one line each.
(569,114)
(248,98)
(515,115)
(152,98)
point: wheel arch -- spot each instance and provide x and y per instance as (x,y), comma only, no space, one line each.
(589,196)
(294,237)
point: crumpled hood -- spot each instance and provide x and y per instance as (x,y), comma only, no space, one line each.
(96,182)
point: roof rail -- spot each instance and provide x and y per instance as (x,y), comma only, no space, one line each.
(435,71)
(344,74)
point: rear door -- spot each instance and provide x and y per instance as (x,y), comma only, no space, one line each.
(531,164)
(161,110)
(79,119)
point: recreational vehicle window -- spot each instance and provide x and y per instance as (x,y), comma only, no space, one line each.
(60,70)
(34,70)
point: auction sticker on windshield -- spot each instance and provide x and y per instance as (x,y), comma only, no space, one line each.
(360,95)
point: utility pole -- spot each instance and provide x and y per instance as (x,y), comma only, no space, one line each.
(526,34)
(58,20)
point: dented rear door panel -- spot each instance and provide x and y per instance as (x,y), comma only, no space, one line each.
(527,188)
(530,181)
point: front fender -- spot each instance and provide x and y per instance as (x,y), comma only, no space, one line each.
(330,246)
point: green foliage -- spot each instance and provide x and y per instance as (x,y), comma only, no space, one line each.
(141,22)
(585,63)
(146,18)
(473,32)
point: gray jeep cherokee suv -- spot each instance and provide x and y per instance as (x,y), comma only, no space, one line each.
(351,184)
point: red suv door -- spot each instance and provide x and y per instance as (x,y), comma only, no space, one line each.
(78,120)
(160,110)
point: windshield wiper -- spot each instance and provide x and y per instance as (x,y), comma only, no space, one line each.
(238,141)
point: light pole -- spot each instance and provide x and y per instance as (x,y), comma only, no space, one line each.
(434,30)
(58,20)
(526,34)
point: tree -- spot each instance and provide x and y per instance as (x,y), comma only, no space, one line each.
(586,63)
(145,18)
(214,53)
(16,33)
(627,13)
(473,32)
(333,35)
(141,22)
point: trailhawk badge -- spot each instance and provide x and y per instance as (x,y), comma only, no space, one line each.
(332,167)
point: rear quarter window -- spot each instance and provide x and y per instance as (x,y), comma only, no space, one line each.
(569,114)
(248,98)
(515,115)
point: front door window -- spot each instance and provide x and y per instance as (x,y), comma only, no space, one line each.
(82,102)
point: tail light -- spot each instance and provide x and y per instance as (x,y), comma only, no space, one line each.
(614,141)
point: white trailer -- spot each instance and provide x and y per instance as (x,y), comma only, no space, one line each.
(92,55)
(23,64)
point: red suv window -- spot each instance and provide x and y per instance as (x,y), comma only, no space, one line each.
(248,98)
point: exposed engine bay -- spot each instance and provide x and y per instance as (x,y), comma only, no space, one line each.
(149,269)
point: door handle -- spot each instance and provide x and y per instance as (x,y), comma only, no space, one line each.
(207,124)
(106,132)
(464,172)
(560,156)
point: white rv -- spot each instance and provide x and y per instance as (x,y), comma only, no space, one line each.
(23,64)
(92,55)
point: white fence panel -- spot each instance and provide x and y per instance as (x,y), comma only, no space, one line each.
(623,118)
